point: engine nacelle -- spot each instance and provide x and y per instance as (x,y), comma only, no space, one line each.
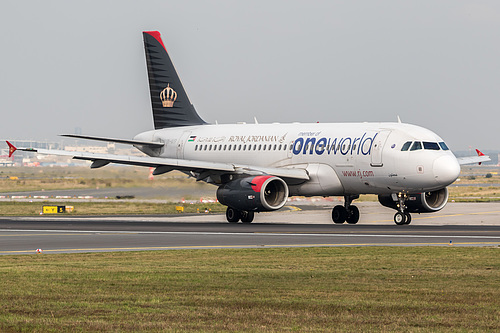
(259,193)
(425,202)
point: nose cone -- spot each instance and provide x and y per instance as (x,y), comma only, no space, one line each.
(446,170)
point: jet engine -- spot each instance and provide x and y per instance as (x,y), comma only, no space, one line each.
(424,202)
(259,193)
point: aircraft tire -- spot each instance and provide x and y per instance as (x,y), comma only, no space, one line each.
(353,215)
(408,218)
(247,216)
(339,214)
(232,215)
(400,218)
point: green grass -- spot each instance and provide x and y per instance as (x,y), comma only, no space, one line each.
(14,208)
(312,289)
(58,178)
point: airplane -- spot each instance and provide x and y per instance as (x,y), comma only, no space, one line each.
(256,167)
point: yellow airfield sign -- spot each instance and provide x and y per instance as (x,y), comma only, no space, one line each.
(55,209)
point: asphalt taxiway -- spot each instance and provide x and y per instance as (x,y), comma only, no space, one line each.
(457,225)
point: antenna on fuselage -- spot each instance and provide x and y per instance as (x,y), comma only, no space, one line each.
(255,119)
(399,120)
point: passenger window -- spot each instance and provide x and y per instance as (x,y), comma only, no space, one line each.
(225,146)
(431,145)
(406,146)
(417,145)
(444,146)
(263,147)
(196,148)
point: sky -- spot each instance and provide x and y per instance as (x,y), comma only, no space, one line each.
(436,64)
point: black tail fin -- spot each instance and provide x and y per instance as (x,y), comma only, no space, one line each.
(171,105)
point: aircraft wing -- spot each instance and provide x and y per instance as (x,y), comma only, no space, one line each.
(168,164)
(474,159)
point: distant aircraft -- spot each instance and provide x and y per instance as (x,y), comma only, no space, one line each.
(258,166)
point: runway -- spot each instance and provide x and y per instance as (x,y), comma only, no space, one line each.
(23,235)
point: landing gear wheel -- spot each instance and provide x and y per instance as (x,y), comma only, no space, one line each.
(247,217)
(352,215)
(400,218)
(232,215)
(339,214)
(408,218)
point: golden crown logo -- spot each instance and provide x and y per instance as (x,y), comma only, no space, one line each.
(168,97)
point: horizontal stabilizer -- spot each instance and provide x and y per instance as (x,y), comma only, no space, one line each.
(123,141)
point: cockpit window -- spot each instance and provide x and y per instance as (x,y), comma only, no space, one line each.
(416,146)
(406,146)
(431,145)
(444,146)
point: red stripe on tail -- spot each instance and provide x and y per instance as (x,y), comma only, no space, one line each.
(157,36)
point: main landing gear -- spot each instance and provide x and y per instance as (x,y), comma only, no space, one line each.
(346,213)
(235,215)
(402,217)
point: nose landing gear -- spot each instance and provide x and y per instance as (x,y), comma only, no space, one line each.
(402,217)
(346,213)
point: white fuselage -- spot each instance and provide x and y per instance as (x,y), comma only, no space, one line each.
(341,158)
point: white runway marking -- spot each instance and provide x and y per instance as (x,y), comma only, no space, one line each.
(244,234)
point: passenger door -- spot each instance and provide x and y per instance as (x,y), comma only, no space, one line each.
(181,143)
(378,147)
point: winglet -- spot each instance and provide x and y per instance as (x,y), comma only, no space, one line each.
(479,153)
(12,149)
